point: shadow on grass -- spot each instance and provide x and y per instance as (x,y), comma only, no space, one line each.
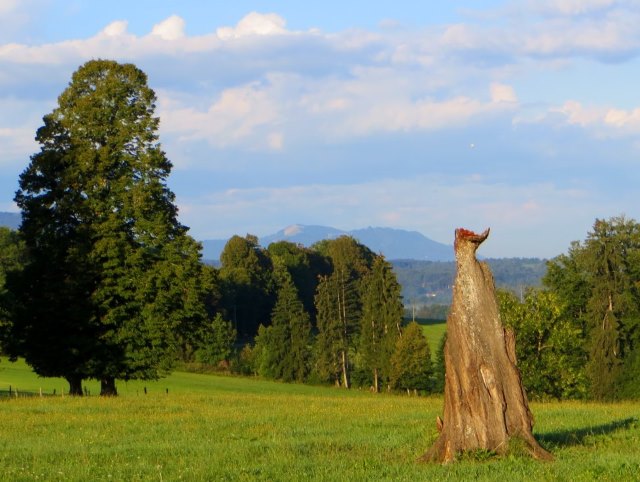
(567,438)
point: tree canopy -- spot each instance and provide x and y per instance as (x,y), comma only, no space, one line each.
(599,282)
(112,273)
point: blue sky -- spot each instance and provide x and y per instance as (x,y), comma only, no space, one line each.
(523,116)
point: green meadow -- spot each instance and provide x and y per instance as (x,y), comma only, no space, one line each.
(434,331)
(228,428)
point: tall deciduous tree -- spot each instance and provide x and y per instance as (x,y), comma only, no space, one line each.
(112,273)
(549,344)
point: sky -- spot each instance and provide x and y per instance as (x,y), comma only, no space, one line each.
(522,116)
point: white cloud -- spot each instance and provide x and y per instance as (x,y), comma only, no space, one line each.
(16,142)
(602,121)
(170,29)
(115,29)
(237,116)
(254,24)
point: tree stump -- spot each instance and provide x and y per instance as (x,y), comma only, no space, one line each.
(485,405)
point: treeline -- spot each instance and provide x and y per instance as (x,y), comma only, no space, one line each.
(579,335)
(331,313)
(426,283)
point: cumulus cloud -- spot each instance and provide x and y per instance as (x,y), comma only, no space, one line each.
(237,116)
(170,29)
(115,29)
(602,121)
(254,24)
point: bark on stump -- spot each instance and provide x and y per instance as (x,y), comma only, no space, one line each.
(485,405)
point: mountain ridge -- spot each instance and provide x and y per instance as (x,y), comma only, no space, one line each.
(10,220)
(391,242)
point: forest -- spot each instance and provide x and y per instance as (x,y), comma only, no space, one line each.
(102,282)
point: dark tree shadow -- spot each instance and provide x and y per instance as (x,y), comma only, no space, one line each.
(567,438)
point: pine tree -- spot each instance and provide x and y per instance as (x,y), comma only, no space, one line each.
(112,273)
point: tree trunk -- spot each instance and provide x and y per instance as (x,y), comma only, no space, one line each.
(376,383)
(485,405)
(108,387)
(345,370)
(75,385)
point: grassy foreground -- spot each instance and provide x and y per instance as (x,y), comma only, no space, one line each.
(224,428)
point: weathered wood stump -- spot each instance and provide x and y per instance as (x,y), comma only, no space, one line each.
(485,405)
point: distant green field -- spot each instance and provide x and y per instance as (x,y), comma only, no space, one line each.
(225,428)
(433,330)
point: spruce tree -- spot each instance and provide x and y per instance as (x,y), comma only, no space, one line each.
(112,273)
(411,360)
(284,346)
(339,304)
(381,322)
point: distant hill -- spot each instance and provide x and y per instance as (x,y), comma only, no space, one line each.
(427,282)
(393,243)
(10,220)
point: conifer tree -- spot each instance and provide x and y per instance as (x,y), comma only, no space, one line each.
(411,360)
(339,304)
(381,322)
(284,346)
(247,284)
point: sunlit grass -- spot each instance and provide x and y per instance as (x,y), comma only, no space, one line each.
(433,330)
(225,428)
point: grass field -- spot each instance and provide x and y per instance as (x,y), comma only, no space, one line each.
(433,330)
(225,428)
